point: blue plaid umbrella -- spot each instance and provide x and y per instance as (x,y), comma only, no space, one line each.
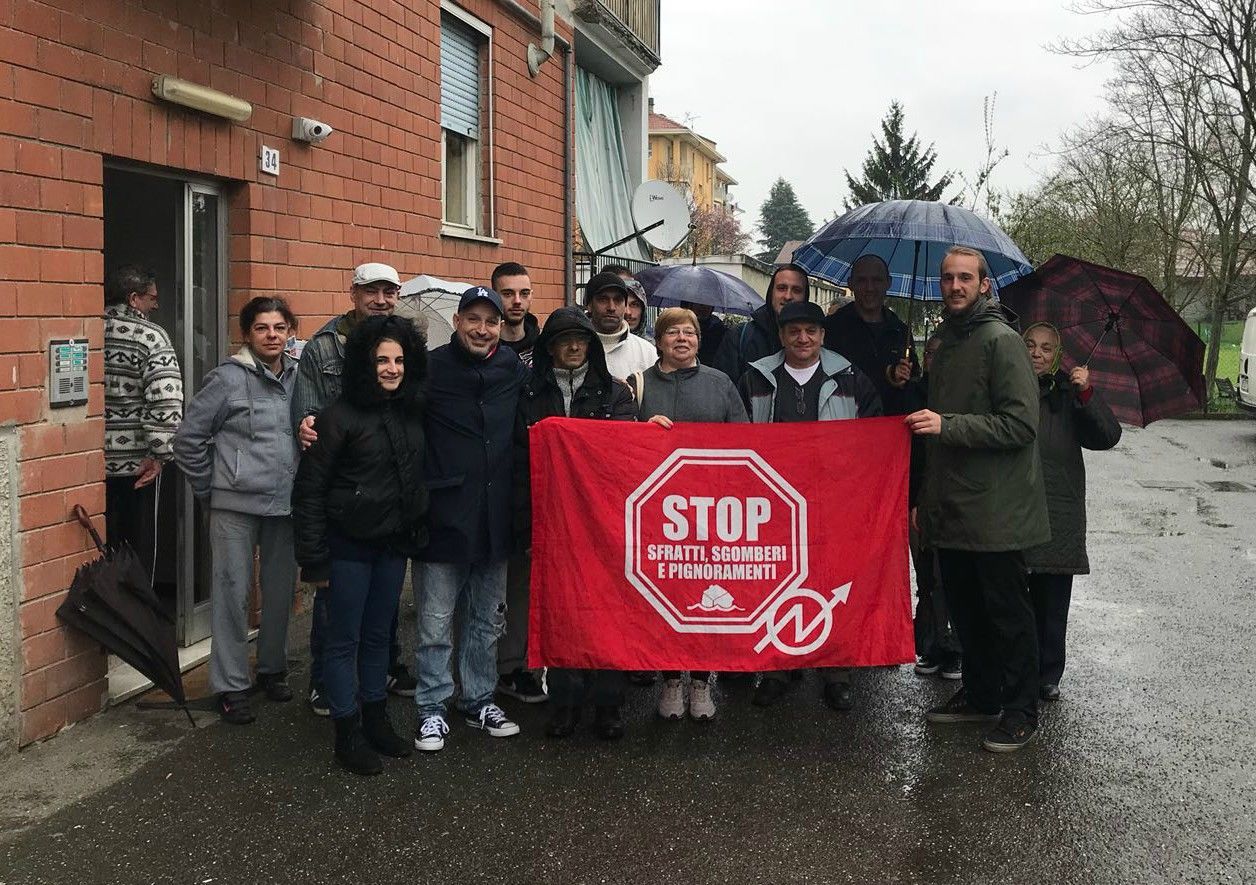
(911,236)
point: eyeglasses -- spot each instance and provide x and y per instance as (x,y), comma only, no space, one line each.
(680,332)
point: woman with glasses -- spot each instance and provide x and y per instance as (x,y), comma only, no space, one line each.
(678,388)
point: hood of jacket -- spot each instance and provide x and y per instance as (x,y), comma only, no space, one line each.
(567,319)
(360,382)
(985,310)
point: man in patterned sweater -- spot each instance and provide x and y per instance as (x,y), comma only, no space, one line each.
(143,406)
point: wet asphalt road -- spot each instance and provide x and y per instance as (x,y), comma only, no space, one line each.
(1144,772)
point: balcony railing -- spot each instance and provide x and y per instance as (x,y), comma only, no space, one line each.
(640,17)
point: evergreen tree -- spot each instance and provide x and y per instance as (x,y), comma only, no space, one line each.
(896,168)
(781,219)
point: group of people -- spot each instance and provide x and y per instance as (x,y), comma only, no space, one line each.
(371,454)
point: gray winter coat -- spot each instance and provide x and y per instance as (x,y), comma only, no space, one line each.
(846,392)
(236,443)
(1065,427)
(699,393)
(318,375)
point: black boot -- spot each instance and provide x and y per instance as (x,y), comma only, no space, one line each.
(563,722)
(379,731)
(352,750)
(608,724)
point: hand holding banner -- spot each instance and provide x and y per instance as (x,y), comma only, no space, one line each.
(719,546)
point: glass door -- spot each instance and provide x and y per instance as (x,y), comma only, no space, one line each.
(202,330)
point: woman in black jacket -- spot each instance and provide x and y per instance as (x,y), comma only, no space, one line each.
(360,508)
(1072,416)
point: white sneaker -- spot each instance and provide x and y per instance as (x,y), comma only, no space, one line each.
(494,720)
(431,734)
(701,704)
(672,701)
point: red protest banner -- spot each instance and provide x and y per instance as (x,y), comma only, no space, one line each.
(719,546)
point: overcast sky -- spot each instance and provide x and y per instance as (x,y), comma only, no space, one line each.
(796,88)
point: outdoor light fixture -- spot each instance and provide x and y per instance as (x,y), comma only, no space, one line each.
(202,98)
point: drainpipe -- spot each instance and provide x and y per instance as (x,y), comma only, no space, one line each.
(538,55)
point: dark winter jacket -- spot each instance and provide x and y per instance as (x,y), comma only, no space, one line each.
(713,334)
(698,393)
(470,425)
(1065,427)
(523,347)
(598,396)
(983,480)
(754,339)
(236,445)
(872,349)
(362,478)
(846,392)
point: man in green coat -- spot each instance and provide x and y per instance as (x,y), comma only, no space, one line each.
(982,502)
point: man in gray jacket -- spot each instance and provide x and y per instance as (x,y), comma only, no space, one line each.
(236,448)
(374,292)
(982,504)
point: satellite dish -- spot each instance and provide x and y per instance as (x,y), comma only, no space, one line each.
(661,215)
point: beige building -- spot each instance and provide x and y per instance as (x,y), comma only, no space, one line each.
(689,161)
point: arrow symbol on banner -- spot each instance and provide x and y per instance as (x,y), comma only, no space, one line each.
(795,616)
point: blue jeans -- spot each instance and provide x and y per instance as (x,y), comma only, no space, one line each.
(481,589)
(361,603)
(316,639)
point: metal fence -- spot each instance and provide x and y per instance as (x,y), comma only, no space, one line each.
(587,264)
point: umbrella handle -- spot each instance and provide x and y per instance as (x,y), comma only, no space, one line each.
(85,521)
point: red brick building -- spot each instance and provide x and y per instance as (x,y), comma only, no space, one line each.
(95,171)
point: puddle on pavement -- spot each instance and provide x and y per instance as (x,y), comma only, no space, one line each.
(1226,485)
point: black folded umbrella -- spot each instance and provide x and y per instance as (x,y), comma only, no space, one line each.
(112,601)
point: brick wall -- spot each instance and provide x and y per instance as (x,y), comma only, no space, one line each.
(75,87)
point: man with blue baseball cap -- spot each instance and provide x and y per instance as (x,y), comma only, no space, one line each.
(473,393)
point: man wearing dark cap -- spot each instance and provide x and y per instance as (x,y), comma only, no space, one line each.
(759,336)
(606,299)
(473,393)
(805,382)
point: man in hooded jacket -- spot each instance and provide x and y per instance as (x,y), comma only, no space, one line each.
(982,504)
(760,335)
(570,379)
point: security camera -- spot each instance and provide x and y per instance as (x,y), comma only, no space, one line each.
(305,129)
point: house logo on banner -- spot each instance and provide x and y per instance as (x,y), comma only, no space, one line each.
(732,562)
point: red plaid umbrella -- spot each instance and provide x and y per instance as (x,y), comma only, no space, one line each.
(1144,358)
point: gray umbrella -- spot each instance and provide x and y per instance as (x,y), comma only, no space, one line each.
(670,285)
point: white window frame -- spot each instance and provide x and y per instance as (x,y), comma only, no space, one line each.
(480,151)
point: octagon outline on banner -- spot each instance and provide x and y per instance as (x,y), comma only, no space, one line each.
(678,619)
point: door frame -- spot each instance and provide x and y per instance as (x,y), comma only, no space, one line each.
(193,621)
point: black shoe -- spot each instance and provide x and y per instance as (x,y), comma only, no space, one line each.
(275,685)
(1049,692)
(379,732)
(522,685)
(642,678)
(926,666)
(353,750)
(957,709)
(233,707)
(769,691)
(839,696)
(400,682)
(952,669)
(318,703)
(1013,732)
(608,724)
(563,722)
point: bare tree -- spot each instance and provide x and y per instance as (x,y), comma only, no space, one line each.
(1186,90)
(977,186)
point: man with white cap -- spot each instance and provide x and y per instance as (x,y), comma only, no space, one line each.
(374,292)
